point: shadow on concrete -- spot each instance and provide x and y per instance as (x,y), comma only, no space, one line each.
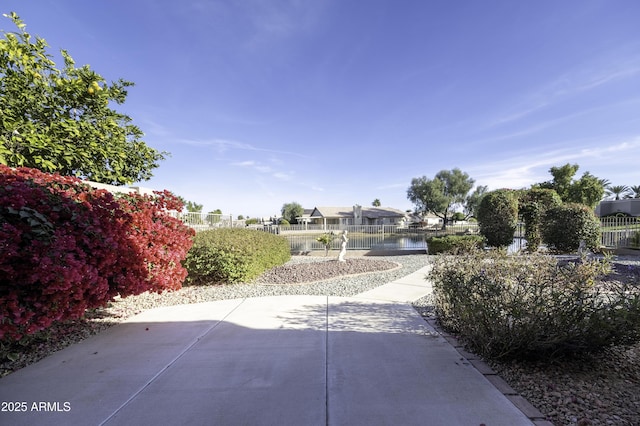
(301,360)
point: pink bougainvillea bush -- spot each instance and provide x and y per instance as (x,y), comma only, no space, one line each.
(66,247)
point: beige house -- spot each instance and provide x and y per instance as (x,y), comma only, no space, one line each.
(356,215)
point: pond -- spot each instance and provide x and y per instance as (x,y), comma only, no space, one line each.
(378,241)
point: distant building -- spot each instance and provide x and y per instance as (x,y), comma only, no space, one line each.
(356,215)
(628,206)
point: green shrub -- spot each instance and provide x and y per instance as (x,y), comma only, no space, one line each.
(232,255)
(326,239)
(454,243)
(498,217)
(507,307)
(532,205)
(284,222)
(566,225)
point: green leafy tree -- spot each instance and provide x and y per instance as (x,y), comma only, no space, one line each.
(458,216)
(587,190)
(60,120)
(291,212)
(473,201)
(440,195)
(376,203)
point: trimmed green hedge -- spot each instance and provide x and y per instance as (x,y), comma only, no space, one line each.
(234,255)
(454,243)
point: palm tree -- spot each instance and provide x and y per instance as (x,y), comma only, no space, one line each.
(634,192)
(606,183)
(618,190)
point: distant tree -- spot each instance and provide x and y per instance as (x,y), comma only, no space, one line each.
(376,203)
(587,190)
(60,120)
(240,217)
(634,192)
(562,178)
(440,195)
(190,206)
(214,216)
(458,216)
(618,191)
(291,212)
(473,201)
(605,183)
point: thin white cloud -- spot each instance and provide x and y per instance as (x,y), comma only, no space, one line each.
(248,163)
(282,176)
(154,128)
(574,82)
(393,186)
(520,171)
(273,21)
(224,145)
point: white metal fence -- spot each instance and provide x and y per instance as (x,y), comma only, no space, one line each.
(205,221)
(620,231)
(616,232)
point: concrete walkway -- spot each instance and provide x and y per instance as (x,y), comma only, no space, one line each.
(287,360)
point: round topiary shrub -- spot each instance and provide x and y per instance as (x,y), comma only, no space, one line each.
(565,226)
(231,255)
(498,217)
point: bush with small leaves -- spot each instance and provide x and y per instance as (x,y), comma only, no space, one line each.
(454,243)
(232,255)
(565,226)
(532,205)
(498,217)
(514,307)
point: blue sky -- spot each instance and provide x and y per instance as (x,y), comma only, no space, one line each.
(340,102)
